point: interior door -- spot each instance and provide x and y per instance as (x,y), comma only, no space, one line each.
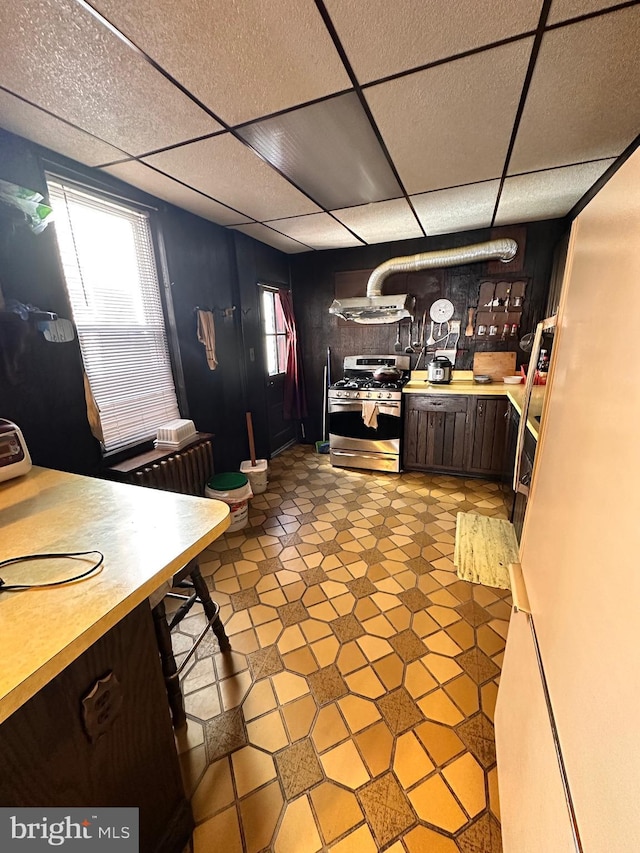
(281,431)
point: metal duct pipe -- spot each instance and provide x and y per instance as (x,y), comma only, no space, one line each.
(495,250)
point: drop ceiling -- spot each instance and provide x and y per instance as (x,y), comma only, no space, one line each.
(317,124)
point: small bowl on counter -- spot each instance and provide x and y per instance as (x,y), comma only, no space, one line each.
(512,380)
(482,379)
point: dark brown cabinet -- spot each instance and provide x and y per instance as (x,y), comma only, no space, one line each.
(488,432)
(436,433)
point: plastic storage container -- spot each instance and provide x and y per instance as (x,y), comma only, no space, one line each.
(257,474)
(235,491)
(175,434)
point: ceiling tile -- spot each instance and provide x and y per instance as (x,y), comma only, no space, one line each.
(381,222)
(451,124)
(147,179)
(583,102)
(548,194)
(272,238)
(60,57)
(226,169)
(243,60)
(562,10)
(330,150)
(319,231)
(458,208)
(379,43)
(25,120)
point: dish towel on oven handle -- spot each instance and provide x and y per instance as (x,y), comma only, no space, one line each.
(370,413)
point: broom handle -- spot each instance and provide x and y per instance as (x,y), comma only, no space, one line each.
(324,404)
(252,447)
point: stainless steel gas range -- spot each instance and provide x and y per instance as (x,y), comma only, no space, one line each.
(365,415)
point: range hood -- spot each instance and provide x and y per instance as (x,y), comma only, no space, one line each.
(376,308)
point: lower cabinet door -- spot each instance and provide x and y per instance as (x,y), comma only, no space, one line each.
(488,433)
(533,807)
(435,437)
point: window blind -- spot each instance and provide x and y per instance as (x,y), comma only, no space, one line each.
(107,257)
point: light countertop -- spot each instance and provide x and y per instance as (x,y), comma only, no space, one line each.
(146,536)
(463,384)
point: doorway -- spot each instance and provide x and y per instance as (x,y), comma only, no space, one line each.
(281,432)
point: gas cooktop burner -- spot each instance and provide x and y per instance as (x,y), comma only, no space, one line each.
(355,384)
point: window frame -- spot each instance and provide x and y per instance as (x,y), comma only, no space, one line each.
(55,171)
(273,289)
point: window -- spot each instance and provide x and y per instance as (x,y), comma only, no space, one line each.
(275,331)
(107,257)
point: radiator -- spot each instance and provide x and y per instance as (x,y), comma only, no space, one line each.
(186,471)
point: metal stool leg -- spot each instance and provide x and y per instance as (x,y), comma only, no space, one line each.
(211,609)
(169,668)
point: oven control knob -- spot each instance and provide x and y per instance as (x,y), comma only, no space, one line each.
(357,394)
(388,395)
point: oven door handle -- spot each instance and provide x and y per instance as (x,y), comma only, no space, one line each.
(338,452)
(358,403)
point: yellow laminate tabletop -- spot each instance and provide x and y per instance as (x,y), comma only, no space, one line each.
(145,535)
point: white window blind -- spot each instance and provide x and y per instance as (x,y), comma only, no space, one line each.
(109,267)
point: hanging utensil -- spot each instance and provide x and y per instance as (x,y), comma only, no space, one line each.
(416,343)
(469,330)
(431,340)
(398,345)
(409,348)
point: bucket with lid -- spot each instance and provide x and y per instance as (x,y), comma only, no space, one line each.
(257,474)
(234,489)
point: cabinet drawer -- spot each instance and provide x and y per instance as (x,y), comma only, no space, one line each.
(436,403)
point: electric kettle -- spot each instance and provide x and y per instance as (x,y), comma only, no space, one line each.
(439,370)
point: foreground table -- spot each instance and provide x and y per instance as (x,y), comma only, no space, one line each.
(83,708)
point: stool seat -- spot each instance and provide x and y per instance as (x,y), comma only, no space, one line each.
(189,578)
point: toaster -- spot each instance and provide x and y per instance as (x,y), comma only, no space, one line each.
(14,456)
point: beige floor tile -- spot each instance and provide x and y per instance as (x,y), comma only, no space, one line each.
(201,674)
(259,814)
(411,763)
(189,736)
(437,706)
(444,598)
(462,633)
(214,791)
(325,650)
(337,810)
(442,644)
(329,728)
(466,778)
(343,764)
(314,630)
(203,704)
(379,626)
(359,841)
(238,622)
(464,692)
(291,638)
(440,742)
(289,686)
(366,609)
(489,696)
(442,668)
(443,615)
(374,648)
(435,804)
(299,716)
(234,689)
(390,670)
(268,732)
(424,625)
(206,836)
(376,744)
(366,683)
(350,658)
(400,618)
(298,832)
(359,713)
(247,642)
(418,680)
(300,661)
(259,700)
(494,796)
(489,641)
(251,769)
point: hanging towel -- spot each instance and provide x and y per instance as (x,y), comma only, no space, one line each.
(370,413)
(207,336)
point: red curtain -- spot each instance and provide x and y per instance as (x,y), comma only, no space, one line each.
(295,401)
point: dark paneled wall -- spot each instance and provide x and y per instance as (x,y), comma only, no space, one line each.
(206,266)
(314,280)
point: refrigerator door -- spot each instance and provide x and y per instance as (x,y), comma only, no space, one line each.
(533,807)
(581,539)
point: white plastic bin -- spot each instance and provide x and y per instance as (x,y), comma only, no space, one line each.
(257,474)
(234,489)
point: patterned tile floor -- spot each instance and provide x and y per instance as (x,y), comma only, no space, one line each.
(355,711)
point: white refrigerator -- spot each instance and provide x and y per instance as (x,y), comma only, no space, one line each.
(568,712)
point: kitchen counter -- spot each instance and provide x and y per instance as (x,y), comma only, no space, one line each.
(145,535)
(463,384)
